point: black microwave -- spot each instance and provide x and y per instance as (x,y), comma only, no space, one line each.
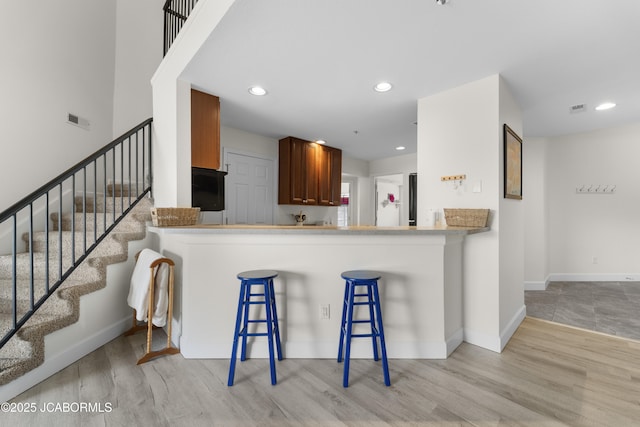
(207,189)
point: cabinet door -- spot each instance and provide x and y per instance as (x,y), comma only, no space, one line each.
(311,174)
(325,166)
(329,176)
(297,171)
(336,177)
(205,130)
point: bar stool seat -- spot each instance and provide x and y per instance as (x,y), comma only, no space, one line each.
(263,279)
(355,279)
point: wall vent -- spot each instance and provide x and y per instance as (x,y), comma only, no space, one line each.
(578,108)
(76,120)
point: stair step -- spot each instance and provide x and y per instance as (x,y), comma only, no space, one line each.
(66,240)
(104,204)
(16,347)
(124,189)
(23,267)
(98,222)
(23,291)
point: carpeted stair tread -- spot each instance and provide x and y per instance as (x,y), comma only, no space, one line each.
(77,222)
(80,286)
(108,204)
(23,267)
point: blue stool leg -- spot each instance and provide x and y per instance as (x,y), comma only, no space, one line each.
(349,326)
(276,327)
(342,322)
(383,347)
(374,339)
(245,323)
(234,349)
(268,309)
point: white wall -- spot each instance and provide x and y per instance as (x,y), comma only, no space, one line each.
(460,132)
(93,58)
(512,224)
(388,212)
(604,226)
(139,36)
(535,159)
(58,57)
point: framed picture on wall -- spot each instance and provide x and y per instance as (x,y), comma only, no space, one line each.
(512,164)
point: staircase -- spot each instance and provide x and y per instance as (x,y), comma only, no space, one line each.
(25,350)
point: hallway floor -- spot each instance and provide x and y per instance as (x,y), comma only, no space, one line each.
(609,307)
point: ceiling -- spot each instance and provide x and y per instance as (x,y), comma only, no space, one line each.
(319,61)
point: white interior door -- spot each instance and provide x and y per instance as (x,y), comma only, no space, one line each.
(249,189)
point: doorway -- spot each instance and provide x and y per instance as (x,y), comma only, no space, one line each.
(388,189)
(347,211)
(249,188)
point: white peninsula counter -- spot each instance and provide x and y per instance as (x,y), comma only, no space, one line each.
(420,290)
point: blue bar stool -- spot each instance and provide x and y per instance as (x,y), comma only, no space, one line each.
(370,297)
(264,280)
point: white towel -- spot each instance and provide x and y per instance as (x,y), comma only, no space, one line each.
(139,288)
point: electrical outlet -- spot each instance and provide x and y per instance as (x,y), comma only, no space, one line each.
(325,312)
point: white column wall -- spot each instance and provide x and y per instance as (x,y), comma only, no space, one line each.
(512,225)
(460,132)
(171,106)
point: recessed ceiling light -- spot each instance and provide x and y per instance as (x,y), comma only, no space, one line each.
(605,106)
(321,141)
(400,148)
(382,87)
(257,91)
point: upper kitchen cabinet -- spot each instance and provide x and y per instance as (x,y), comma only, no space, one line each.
(329,175)
(309,173)
(205,130)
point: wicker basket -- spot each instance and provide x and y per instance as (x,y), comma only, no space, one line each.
(466,217)
(166,217)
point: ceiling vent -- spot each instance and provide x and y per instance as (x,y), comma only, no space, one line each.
(578,108)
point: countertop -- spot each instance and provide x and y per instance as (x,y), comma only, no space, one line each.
(316,229)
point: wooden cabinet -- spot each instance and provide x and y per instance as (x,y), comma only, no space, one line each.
(205,130)
(309,173)
(329,175)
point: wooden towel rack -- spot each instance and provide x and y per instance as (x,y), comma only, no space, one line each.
(149,326)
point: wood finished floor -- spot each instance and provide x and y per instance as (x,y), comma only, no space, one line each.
(548,375)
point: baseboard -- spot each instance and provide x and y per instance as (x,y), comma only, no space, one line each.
(496,342)
(489,342)
(454,341)
(512,326)
(594,277)
(360,349)
(536,286)
(63,359)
